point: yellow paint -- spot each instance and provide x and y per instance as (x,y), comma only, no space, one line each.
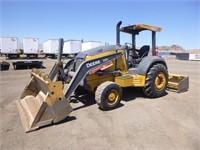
(125,80)
(94,81)
(121,64)
(174,80)
(178,81)
(54,88)
(89,57)
(117,64)
(139,27)
(148,27)
(54,92)
(121,61)
(160,81)
(131,80)
(38,74)
(112,97)
(139,80)
(172,85)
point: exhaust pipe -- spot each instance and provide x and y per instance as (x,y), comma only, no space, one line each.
(118,33)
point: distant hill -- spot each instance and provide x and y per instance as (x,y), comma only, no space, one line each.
(172,48)
(177,49)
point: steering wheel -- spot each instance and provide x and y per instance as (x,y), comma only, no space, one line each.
(129,45)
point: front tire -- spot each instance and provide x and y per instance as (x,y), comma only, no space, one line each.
(156,81)
(108,95)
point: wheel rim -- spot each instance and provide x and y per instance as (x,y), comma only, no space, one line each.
(160,81)
(112,97)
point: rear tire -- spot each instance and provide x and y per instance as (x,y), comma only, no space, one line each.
(108,95)
(156,81)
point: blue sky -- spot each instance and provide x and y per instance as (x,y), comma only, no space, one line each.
(96,20)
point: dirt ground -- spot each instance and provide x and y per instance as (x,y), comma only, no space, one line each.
(168,123)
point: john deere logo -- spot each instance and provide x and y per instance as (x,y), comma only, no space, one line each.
(88,65)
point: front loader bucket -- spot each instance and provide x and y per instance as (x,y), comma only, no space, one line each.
(42,102)
(178,83)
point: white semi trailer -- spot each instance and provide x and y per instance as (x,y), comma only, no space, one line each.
(50,48)
(71,47)
(90,44)
(9,46)
(31,47)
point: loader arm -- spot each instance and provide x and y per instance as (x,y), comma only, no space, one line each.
(83,70)
(58,69)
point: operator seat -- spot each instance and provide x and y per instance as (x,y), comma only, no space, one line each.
(144,50)
(135,59)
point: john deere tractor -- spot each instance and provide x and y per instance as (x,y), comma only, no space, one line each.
(104,71)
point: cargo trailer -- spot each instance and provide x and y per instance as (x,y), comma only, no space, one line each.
(50,48)
(9,46)
(90,44)
(182,56)
(194,57)
(71,47)
(31,47)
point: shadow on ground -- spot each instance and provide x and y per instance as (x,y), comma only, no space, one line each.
(87,100)
(129,94)
(132,93)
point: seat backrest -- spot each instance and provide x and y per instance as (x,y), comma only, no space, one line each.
(144,50)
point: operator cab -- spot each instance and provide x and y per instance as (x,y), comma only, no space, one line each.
(135,55)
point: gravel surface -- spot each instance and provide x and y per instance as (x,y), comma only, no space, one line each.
(167,123)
